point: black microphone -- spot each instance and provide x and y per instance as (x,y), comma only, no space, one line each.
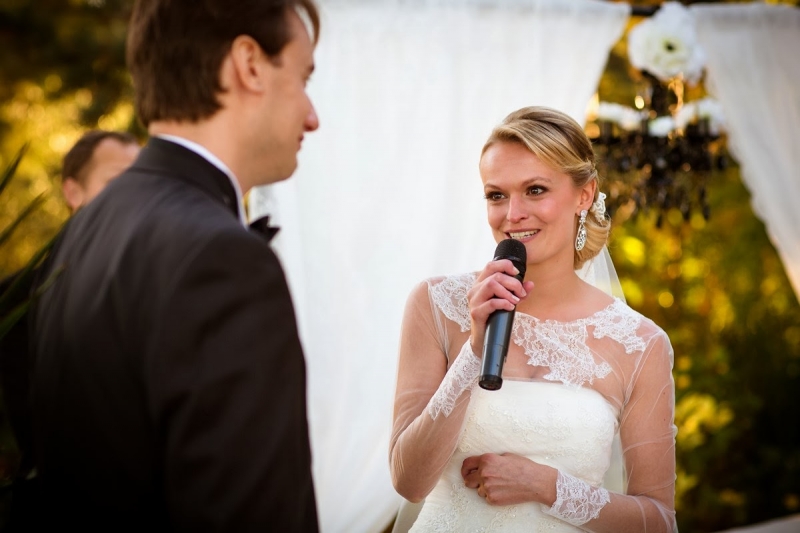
(498,327)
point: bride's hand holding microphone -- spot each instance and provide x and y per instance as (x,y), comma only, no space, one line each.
(492,301)
(496,288)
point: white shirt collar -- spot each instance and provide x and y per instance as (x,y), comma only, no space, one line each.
(214,160)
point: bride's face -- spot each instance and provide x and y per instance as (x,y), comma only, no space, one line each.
(531,202)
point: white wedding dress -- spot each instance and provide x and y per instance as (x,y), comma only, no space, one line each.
(569,389)
(570,429)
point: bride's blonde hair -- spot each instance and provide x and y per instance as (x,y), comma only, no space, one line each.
(560,143)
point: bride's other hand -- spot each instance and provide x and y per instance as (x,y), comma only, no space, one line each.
(509,479)
(496,288)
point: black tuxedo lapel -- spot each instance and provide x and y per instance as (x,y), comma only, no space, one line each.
(160,156)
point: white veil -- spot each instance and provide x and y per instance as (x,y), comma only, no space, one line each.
(600,272)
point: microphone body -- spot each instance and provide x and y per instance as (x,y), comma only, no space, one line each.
(500,323)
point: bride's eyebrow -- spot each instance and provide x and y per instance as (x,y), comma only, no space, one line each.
(535,180)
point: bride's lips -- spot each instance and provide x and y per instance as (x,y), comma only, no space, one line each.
(522,235)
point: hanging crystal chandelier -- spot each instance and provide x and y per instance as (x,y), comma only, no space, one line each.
(660,154)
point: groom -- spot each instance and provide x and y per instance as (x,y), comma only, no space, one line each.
(169,383)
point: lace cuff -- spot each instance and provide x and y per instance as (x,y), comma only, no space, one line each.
(577,502)
(462,375)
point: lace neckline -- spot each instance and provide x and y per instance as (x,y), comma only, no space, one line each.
(449,294)
(560,346)
(611,308)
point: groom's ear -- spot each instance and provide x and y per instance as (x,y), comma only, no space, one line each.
(249,66)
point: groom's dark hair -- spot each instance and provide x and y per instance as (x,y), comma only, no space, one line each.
(175,49)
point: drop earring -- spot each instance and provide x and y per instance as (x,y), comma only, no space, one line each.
(580,238)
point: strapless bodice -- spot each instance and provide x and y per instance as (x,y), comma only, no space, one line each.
(567,427)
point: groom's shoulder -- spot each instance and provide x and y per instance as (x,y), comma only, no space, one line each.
(157,220)
(191,226)
(168,207)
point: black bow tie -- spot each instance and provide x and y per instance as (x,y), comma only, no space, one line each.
(262,227)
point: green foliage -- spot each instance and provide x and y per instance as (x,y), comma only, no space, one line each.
(720,292)
(15,302)
(719,289)
(65,46)
(9,315)
(9,173)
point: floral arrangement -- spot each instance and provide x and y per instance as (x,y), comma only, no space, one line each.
(708,109)
(666,46)
(666,49)
(625,117)
(660,154)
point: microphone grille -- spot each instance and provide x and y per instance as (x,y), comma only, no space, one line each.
(513,250)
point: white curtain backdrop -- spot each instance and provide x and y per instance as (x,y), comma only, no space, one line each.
(754,70)
(388,193)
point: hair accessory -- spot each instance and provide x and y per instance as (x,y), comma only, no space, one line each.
(599,208)
(580,238)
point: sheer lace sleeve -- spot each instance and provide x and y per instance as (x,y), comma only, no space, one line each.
(430,400)
(647,434)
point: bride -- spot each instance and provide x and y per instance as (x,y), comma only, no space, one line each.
(585,374)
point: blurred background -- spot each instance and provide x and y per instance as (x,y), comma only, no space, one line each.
(713,280)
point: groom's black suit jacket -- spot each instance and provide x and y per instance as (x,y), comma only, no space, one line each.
(169,380)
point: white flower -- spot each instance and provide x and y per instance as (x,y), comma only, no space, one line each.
(685,115)
(665,45)
(712,110)
(661,126)
(626,117)
(707,108)
(599,208)
(631,119)
(609,111)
